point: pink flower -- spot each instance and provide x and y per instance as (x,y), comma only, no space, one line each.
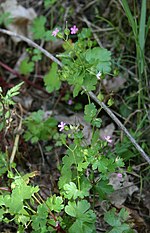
(119,175)
(70,102)
(61,126)
(74,29)
(108,139)
(54,33)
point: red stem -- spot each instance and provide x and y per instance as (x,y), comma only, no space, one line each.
(6,189)
(6,67)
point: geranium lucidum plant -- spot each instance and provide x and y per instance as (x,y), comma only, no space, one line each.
(85,168)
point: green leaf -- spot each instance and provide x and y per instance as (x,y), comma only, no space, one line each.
(85,33)
(76,90)
(111,218)
(100,97)
(66,174)
(49,3)
(124,228)
(82,227)
(12,92)
(19,194)
(85,186)
(2,212)
(82,166)
(99,57)
(85,218)
(3,164)
(15,204)
(39,220)
(89,82)
(102,164)
(97,122)
(80,210)
(38,128)
(110,102)
(70,209)
(26,67)
(77,80)
(71,191)
(51,79)
(23,217)
(5,18)
(119,162)
(55,203)
(123,214)
(103,188)
(90,112)
(36,55)
(38,27)
(1,200)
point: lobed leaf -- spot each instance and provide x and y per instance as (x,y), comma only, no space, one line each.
(51,79)
(100,58)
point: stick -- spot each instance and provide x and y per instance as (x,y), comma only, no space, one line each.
(109,112)
(16,142)
(33,44)
(121,126)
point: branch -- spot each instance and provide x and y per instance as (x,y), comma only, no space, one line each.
(33,44)
(109,112)
(121,126)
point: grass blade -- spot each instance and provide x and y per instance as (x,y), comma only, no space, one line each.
(147,27)
(130,17)
(142,26)
(142,35)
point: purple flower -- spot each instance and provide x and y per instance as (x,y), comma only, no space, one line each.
(119,175)
(54,33)
(74,29)
(108,139)
(70,102)
(61,126)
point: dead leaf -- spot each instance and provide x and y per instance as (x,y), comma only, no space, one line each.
(107,131)
(25,101)
(2,44)
(114,84)
(123,187)
(22,18)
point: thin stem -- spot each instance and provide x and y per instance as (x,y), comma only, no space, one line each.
(29,207)
(53,216)
(37,199)
(121,126)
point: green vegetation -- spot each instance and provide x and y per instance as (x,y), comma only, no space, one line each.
(86,166)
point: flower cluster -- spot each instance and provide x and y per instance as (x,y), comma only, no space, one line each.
(73,30)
